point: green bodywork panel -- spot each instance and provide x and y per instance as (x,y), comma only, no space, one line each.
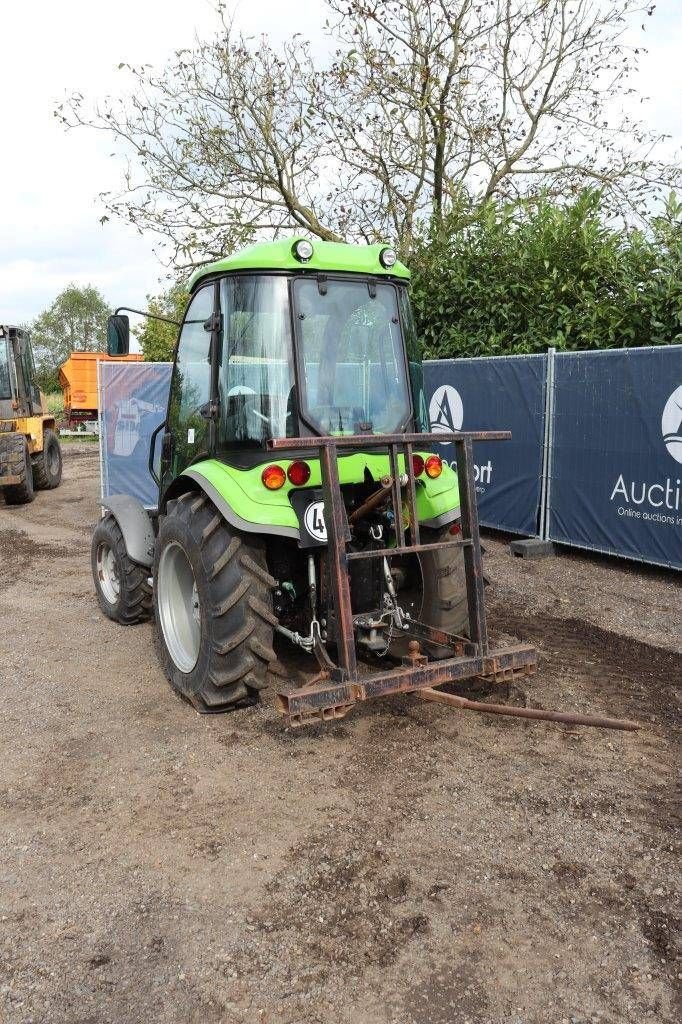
(328,257)
(248,498)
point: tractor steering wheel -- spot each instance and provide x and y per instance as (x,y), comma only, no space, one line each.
(245,390)
(240,389)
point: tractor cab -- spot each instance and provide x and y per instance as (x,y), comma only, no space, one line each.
(291,340)
(19,394)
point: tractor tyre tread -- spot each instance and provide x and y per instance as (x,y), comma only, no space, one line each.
(235,588)
(134,604)
(444,603)
(44,477)
(18,462)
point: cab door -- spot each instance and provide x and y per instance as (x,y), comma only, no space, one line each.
(26,370)
(20,372)
(7,411)
(187,423)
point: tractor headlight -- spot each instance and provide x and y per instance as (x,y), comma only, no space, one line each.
(302,250)
(388,258)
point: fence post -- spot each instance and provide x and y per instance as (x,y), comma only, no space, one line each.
(548,437)
(100,395)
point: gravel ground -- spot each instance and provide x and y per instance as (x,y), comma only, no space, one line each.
(409,865)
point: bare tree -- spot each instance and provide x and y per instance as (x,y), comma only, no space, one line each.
(426,110)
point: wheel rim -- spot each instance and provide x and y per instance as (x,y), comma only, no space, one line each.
(179,607)
(107,573)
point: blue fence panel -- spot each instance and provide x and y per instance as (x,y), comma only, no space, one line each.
(133,401)
(496,393)
(616,460)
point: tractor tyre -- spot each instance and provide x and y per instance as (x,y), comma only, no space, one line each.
(432,588)
(212,606)
(122,586)
(18,462)
(47,465)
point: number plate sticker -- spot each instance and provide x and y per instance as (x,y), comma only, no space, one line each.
(310,511)
(313,520)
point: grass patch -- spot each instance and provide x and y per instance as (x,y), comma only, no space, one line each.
(79,438)
(55,403)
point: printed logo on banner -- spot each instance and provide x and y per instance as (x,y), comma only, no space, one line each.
(446,410)
(659,501)
(446,414)
(671,424)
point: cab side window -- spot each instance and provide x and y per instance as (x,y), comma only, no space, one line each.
(29,372)
(190,384)
(5,384)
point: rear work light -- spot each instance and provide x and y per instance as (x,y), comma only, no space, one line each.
(433,466)
(417,465)
(273,477)
(298,473)
(388,258)
(302,250)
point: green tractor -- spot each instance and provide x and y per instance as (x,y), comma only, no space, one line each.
(299,494)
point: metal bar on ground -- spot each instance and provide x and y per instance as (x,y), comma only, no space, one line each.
(567,718)
(312,700)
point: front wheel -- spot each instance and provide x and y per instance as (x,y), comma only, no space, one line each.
(213,607)
(121,585)
(47,465)
(18,463)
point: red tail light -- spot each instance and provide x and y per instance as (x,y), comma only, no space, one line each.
(298,473)
(273,477)
(433,466)
(417,465)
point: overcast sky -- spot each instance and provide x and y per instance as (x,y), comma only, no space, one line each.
(50,233)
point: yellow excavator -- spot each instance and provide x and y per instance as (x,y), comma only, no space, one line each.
(30,453)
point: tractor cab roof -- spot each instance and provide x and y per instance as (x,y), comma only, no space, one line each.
(326,257)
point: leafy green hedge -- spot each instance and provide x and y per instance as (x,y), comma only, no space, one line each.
(520,279)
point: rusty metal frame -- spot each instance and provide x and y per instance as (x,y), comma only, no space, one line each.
(338,687)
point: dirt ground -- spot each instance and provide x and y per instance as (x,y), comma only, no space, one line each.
(410,865)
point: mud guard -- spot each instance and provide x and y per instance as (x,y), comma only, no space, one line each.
(136,526)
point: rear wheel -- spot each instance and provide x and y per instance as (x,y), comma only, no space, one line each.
(18,462)
(122,587)
(431,586)
(213,607)
(47,465)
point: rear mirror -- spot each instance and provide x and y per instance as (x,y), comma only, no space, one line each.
(118,335)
